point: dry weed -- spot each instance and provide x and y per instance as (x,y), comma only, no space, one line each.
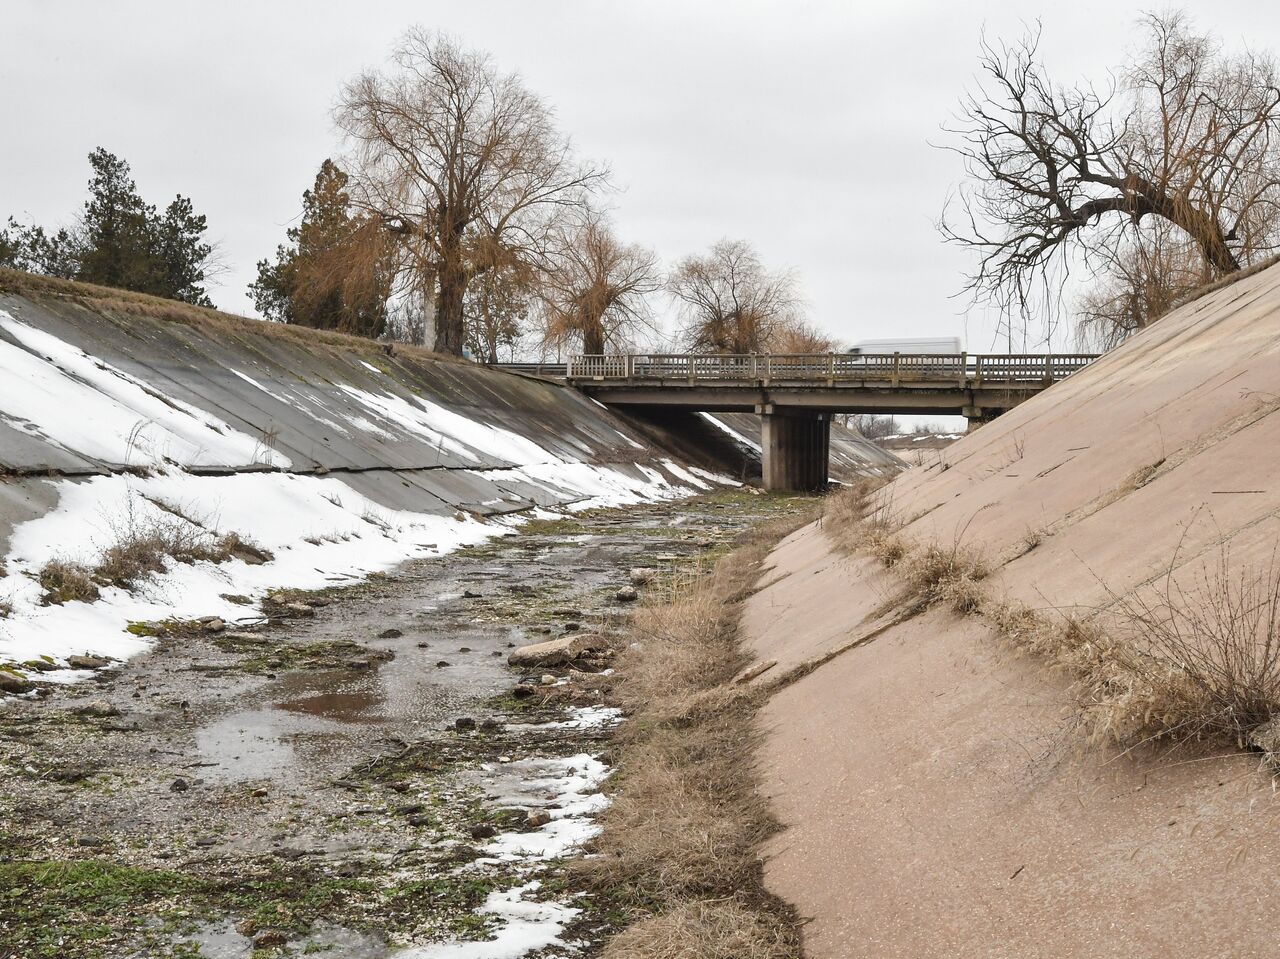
(680,843)
(64,581)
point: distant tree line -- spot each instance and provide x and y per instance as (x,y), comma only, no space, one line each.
(462,216)
(119,240)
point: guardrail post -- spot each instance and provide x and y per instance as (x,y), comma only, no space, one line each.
(831,370)
(964,369)
(1048,367)
(893,375)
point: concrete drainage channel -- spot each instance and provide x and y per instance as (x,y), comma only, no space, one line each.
(366,777)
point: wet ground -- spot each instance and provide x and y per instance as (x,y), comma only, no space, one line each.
(361,775)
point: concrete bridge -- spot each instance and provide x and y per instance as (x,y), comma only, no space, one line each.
(796,394)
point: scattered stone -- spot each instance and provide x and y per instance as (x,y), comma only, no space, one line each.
(471,594)
(495,653)
(419,820)
(548,680)
(410,810)
(87,662)
(91,841)
(755,669)
(491,725)
(247,927)
(556,652)
(39,665)
(215,625)
(444,662)
(641,575)
(13,683)
(572,626)
(483,831)
(236,598)
(628,594)
(207,841)
(317,601)
(358,663)
(424,646)
(391,633)
(270,938)
(522,691)
(259,793)
(538,817)
(464,649)
(299,609)
(179,785)
(247,639)
(464,724)
(98,707)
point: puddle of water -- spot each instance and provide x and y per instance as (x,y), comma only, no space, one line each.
(344,707)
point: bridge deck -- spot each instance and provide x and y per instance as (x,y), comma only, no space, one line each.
(901,382)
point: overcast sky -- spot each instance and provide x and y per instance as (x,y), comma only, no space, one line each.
(802,127)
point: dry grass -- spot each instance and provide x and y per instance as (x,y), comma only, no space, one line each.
(949,575)
(681,840)
(128,303)
(1168,663)
(704,930)
(64,581)
(141,548)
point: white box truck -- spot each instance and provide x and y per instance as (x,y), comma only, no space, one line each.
(934,346)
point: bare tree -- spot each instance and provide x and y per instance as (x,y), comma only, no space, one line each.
(453,157)
(797,335)
(730,302)
(499,302)
(1064,176)
(874,426)
(596,290)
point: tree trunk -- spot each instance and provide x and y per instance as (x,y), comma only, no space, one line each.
(450,332)
(592,336)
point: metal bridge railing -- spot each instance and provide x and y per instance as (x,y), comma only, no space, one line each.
(959,369)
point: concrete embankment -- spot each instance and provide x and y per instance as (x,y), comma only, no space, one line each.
(130,424)
(938,789)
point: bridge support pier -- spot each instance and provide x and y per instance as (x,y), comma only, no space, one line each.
(795,446)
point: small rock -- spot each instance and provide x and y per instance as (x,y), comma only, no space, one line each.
(13,683)
(641,575)
(300,609)
(259,793)
(247,639)
(91,841)
(495,653)
(317,601)
(464,649)
(471,594)
(247,927)
(483,831)
(87,662)
(628,594)
(269,938)
(538,817)
(491,725)
(179,785)
(556,652)
(410,810)
(522,691)
(548,679)
(424,645)
(98,707)
(215,625)
(206,841)
(391,633)
(572,627)
(464,723)
(347,870)
(419,820)
(444,662)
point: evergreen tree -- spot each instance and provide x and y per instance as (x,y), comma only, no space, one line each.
(120,241)
(335,270)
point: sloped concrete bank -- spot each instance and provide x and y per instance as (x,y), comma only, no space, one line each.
(939,794)
(127,421)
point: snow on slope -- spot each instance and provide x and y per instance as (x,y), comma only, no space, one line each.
(320,529)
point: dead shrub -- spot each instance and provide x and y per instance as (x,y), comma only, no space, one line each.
(686,822)
(950,575)
(704,930)
(861,518)
(1198,662)
(64,581)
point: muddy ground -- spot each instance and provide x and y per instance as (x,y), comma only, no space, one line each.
(336,780)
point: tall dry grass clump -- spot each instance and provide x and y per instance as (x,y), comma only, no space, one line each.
(680,846)
(861,518)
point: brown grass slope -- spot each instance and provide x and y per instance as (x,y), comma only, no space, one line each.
(1059,749)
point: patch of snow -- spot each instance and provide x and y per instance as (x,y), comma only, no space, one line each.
(527,926)
(84,405)
(750,444)
(679,471)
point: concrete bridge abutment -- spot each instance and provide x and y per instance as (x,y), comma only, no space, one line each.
(795,446)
